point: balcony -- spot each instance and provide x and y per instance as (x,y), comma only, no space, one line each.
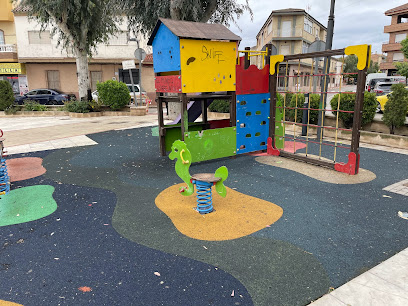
(396,27)
(387,65)
(8,48)
(287,34)
(8,53)
(386,47)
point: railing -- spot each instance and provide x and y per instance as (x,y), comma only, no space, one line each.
(8,48)
(288,33)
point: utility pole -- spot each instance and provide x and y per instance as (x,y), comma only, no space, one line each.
(326,70)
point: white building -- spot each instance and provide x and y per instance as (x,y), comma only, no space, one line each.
(49,66)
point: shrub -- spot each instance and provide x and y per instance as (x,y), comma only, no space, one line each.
(6,95)
(77,106)
(220,106)
(396,107)
(347,102)
(314,101)
(12,109)
(113,94)
(287,97)
(34,106)
(95,105)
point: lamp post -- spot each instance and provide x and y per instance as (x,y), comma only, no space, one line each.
(326,70)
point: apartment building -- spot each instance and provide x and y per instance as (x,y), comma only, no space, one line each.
(292,31)
(50,66)
(11,69)
(397,31)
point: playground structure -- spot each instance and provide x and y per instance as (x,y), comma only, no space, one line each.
(4,177)
(196,63)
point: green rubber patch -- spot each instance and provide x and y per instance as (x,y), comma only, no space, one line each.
(27,204)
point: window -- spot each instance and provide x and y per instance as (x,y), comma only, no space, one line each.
(43,92)
(53,79)
(120,38)
(317,32)
(308,26)
(306,79)
(270,28)
(305,47)
(262,39)
(96,76)
(398,57)
(2,42)
(400,37)
(37,37)
(286,28)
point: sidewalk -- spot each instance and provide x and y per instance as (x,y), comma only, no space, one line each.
(385,284)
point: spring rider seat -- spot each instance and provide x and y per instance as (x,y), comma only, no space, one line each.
(203,181)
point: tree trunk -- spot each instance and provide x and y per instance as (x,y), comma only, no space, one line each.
(209,11)
(392,129)
(175,10)
(82,73)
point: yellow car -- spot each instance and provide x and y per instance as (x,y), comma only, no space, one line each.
(382,100)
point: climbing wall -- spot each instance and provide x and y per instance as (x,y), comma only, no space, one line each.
(252,122)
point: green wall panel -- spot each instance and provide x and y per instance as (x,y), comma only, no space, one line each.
(211,144)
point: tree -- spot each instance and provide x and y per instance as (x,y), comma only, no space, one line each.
(80,26)
(143,14)
(350,66)
(402,69)
(396,107)
(404,47)
(6,95)
(374,67)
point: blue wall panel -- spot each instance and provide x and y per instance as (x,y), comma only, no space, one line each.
(166,51)
(252,122)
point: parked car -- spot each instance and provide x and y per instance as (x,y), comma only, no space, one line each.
(137,92)
(374,81)
(44,96)
(383,88)
(382,100)
(371,76)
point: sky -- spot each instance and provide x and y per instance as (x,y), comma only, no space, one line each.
(355,21)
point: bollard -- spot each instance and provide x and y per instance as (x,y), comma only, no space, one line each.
(305,115)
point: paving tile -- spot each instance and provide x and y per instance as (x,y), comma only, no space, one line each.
(377,282)
(326,300)
(394,270)
(355,294)
(18,149)
(62,143)
(41,146)
(82,140)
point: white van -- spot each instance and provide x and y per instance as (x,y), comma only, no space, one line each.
(373,76)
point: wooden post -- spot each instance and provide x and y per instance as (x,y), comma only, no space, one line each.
(272,98)
(233,108)
(183,114)
(247,62)
(162,131)
(204,113)
(358,112)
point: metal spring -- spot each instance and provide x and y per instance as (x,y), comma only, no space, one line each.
(204,197)
(4,178)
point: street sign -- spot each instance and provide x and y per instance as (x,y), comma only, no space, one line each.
(130,64)
(140,54)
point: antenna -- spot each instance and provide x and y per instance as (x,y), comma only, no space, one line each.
(308,8)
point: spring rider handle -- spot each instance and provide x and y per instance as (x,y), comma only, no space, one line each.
(182,159)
